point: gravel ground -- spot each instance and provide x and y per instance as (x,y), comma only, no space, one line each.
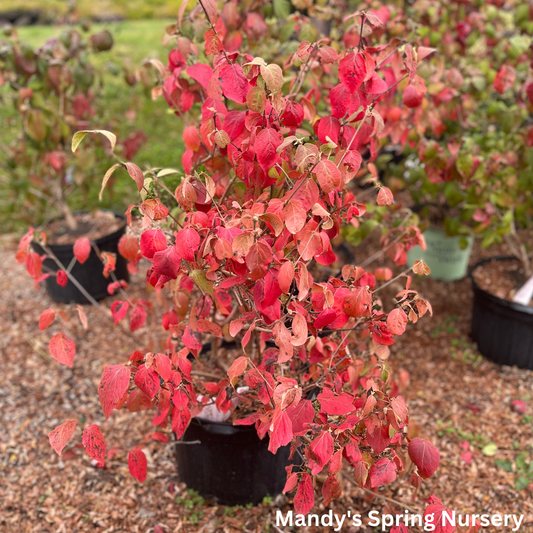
(457,400)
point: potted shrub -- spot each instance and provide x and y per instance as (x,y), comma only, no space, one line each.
(474,150)
(52,91)
(263,193)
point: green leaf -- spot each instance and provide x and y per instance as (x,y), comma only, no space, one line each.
(282,9)
(490,450)
(522,482)
(504,464)
(201,280)
(80,135)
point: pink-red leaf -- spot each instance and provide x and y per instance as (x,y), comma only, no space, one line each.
(62,349)
(396,321)
(425,456)
(94,443)
(147,380)
(114,384)
(266,145)
(328,175)
(352,71)
(383,472)
(187,243)
(47,318)
(137,464)
(61,435)
(82,249)
(152,241)
(385,196)
(305,495)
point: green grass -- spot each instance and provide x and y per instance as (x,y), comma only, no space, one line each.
(131,9)
(125,110)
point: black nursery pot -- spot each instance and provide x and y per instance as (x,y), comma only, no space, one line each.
(230,463)
(503,330)
(89,274)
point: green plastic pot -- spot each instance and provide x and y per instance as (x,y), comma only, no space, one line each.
(443,255)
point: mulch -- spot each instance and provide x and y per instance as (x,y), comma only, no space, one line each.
(456,399)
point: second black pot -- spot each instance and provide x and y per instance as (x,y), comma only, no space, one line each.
(230,463)
(89,274)
(503,330)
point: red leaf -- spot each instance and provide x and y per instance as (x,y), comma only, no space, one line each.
(94,443)
(187,242)
(266,144)
(295,216)
(335,405)
(293,115)
(234,83)
(147,380)
(137,464)
(82,249)
(396,321)
(119,310)
(181,414)
(504,79)
(382,472)
(412,97)
(136,174)
(167,262)
(285,276)
(137,317)
(191,138)
(163,366)
(425,456)
(114,384)
(331,490)
(128,247)
(329,127)
(328,175)
(152,241)
(358,302)
(301,415)
(62,349)
(385,196)
(61,278)
(192,338)
(321,449)
(34,265)
(325,318)
(61,435)
(46,319)
(258,260)
(281,431)
(305,495)
(352,71)
(201,73)
(237,368)
(437,509)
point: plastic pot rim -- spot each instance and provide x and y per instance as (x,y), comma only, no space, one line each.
(101,240)
(526,309)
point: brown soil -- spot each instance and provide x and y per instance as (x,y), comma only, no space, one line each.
(91,225)
(500,278)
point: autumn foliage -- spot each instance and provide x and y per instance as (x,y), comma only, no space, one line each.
(274,152)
